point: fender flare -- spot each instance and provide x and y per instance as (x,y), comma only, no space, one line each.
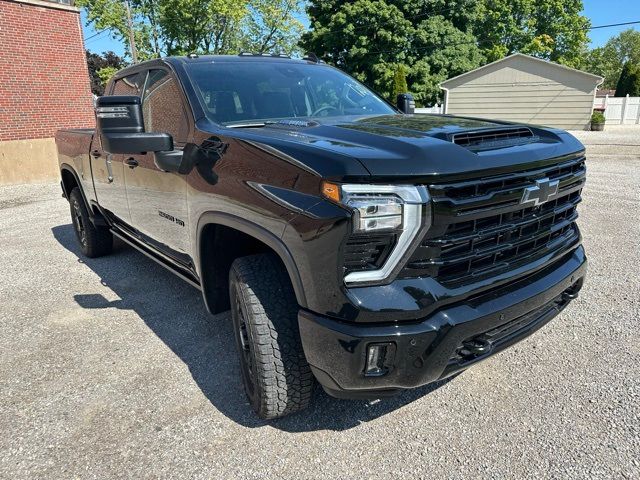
(259,233)
(99,220)
(70,169)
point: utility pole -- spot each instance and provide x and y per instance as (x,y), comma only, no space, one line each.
(132,40)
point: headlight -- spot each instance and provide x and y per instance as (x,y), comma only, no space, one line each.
(399,210)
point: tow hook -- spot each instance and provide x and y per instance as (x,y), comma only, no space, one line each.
(571,293)
(475,347)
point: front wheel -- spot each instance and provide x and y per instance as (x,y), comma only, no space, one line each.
(276,376)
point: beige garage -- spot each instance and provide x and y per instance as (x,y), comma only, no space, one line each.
(520,88)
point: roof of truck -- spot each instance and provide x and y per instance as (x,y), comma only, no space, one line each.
(243,57)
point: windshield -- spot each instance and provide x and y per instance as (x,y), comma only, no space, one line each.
(232,92)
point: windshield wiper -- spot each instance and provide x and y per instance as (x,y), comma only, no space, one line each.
(247,125)
(286,122)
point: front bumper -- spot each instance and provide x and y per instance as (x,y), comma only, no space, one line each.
(448,341)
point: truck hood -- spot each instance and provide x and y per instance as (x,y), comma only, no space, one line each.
(418,148)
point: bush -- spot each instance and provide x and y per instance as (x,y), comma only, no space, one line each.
(597,117)
(399,82)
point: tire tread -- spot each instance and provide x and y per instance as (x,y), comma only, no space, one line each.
(285,381)
(99,239)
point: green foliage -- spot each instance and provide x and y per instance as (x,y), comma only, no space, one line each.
(178,27)
(271,27)
(609,59)
(597,117)
(106,73)
(101,68)
(371,38)
(549,29)
(400,81)
(629,82)
(439,39)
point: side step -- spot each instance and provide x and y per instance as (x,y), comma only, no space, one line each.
(158,257)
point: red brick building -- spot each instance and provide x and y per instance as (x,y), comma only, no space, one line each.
(44,85)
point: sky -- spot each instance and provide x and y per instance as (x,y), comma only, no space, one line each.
(600,12)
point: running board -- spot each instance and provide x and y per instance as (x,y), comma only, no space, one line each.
(158,257)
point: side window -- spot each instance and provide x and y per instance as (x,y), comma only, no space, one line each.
(162,107)
(131,85)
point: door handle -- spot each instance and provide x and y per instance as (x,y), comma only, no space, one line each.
(96,154)
(107,162)
(132,162)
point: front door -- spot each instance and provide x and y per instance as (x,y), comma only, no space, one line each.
(108,169)
(158,199)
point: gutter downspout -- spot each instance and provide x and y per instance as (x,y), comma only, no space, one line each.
(445,105)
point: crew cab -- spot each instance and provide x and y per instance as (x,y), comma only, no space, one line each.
(357,245)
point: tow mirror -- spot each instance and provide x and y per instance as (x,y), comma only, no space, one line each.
(405,103)
(121,128)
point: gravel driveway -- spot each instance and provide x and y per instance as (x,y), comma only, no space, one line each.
(112,368)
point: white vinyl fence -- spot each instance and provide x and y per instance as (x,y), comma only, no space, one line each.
(619,110)
(434,109)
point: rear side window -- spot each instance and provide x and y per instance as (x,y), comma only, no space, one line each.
(130,85)
(162,107)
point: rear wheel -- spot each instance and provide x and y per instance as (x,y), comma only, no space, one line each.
(94,241)
(276,376)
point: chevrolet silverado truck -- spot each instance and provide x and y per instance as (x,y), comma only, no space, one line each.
(357,245)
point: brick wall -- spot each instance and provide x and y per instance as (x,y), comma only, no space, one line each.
(44,81)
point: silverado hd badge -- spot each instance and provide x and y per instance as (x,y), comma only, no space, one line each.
(541,192)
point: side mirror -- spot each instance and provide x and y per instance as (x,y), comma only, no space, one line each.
(121,129)
(405,103)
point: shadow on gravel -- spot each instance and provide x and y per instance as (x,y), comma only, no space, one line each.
(175,312)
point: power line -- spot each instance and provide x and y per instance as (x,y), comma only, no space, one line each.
(96,34)
(94,38)
(615,25)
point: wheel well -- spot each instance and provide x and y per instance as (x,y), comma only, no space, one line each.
(220,245)
(69,181)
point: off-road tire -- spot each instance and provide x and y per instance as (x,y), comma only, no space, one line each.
(276,376)
(94,241)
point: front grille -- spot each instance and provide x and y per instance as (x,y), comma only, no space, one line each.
(480,228)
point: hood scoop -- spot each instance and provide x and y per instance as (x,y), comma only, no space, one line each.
(491,139)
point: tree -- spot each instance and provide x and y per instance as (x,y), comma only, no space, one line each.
(629,81)
(111,15)
(549,29)
(101,68)
(202,26)
(371,39)
(609,59)
(178,27)
(271,26)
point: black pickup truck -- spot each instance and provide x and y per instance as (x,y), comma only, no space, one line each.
(357,244)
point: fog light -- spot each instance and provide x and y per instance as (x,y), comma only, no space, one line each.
(379,359)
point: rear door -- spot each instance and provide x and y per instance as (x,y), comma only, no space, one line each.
(158,199)
(107,168)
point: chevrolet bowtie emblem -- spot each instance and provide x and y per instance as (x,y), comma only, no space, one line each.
(540,192)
